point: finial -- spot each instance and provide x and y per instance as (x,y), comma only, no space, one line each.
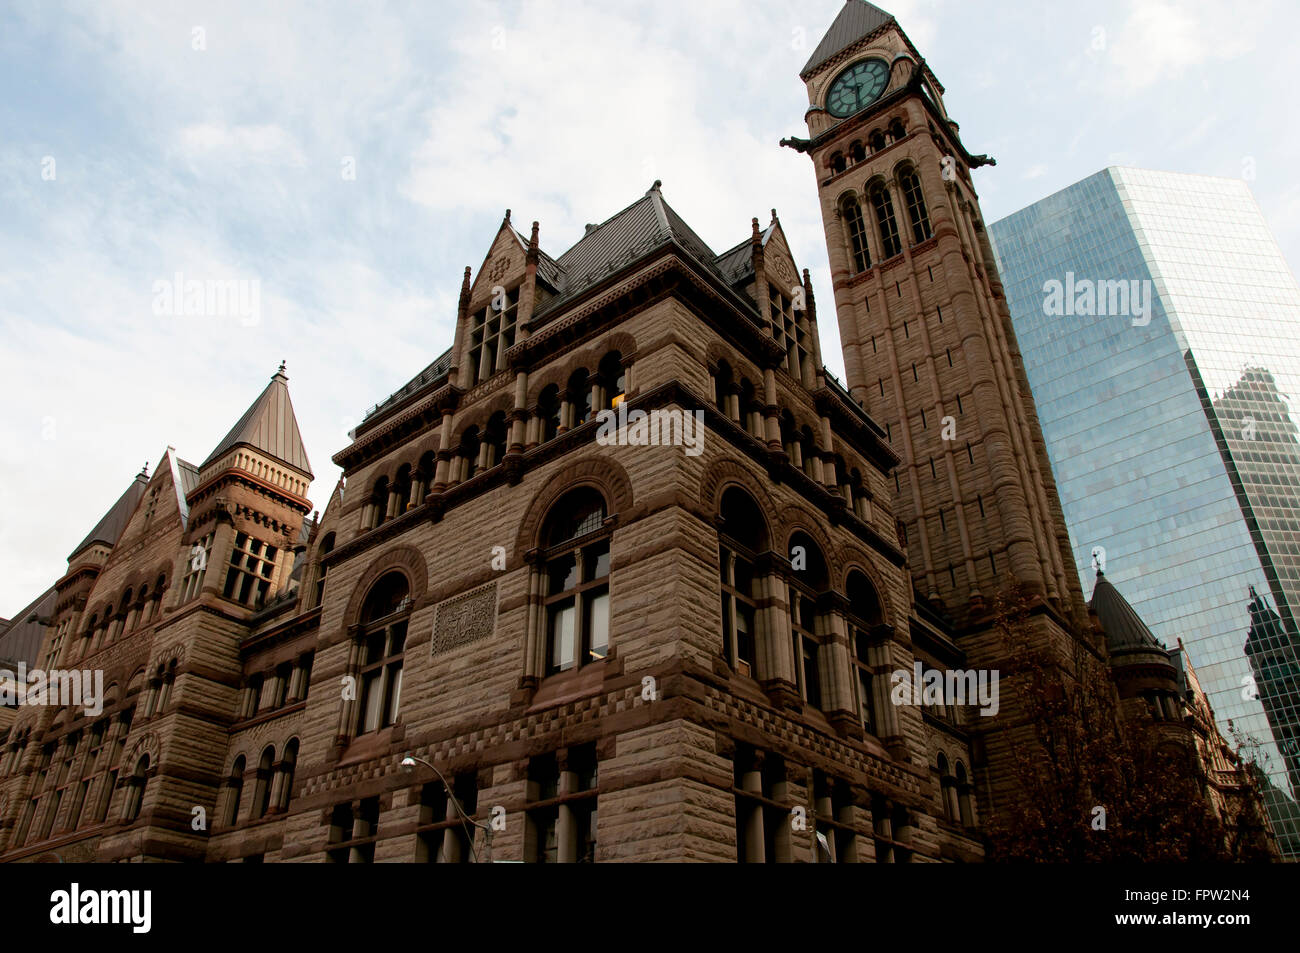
(144,470)
(774,215)
(532,242)
(659,184)
(757,233)
(283,364)
(507,216)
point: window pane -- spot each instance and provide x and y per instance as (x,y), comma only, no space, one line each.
(371,702)
(597,560)
(563,655)
(563,573)
(598,625)
(399,638)
(394,693)
(744,638)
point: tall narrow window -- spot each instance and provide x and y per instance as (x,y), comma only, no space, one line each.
(492,334)
(808,580)
(326,547)
(613,380)
(577,582)
(135,790)
(288,762)
(916,211)
(235,790)
(262,789)
(384,620)
(252,562)
(790,330)
(890,244)
(852,213)
(741,538)
(864,614)
(548,410)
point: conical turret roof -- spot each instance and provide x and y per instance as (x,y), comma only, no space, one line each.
(270,427)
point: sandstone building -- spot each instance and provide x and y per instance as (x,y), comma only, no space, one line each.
(612,652)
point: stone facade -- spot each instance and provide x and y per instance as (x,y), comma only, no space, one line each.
(612,650)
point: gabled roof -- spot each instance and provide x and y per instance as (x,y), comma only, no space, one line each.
(1124,628)
(269,426)
(109,529)
(21,640)
(858,19)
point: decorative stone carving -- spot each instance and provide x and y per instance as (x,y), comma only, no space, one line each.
(465,619)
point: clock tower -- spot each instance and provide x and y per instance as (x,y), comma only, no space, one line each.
(929,349)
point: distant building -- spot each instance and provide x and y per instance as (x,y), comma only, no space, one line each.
(1160,329)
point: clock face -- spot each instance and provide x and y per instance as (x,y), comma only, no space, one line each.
(857,87)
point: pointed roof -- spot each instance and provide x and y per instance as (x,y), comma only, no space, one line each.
(646,224)
(857,20)
(269,426)
(1124,628)
(109,529)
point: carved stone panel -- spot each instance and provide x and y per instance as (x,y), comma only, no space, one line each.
(465,619)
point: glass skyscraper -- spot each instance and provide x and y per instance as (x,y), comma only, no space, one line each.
(1160,328)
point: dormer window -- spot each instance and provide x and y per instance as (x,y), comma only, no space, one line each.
(492,333)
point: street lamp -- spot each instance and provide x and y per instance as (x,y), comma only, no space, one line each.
(410,762)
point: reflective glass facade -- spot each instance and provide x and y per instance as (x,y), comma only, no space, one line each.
(1173,430)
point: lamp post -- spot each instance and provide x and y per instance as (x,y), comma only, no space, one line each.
(410,762)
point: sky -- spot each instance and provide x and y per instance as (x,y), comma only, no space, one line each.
(351,159)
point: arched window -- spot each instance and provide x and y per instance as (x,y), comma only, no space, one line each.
(790,440)
(864,614)
(288,762)
(402,487)
(857,152)
(548,411)
(326,547)
(424,476)
(876,140)
(379,503)
(838,164)
(135,790)
(723,386)
(384,619)
(742,537)
(947,791)
(861,497)
(751,409)
(613,381)
(966,810)
(470,454)
(495,439)
(897,131)
(852,214)
(915,198)
(578,398)
(808,452)
(808,580)
(262,789)
(576,568)
(234,791)
(890,244)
